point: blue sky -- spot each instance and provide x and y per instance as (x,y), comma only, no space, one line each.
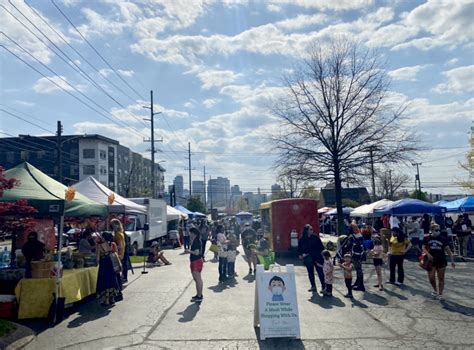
(215,67)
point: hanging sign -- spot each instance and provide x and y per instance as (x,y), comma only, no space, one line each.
(276,305)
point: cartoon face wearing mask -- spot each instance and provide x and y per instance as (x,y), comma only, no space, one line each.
(276,286)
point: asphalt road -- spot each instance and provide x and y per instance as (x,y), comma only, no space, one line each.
(157,314)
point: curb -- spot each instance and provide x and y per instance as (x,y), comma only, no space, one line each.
(21,337)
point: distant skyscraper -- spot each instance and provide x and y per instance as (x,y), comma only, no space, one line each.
(179,189)
(218,191)
(235,191)
(198,190)
(276,189)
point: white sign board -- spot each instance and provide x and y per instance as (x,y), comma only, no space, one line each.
(276,305)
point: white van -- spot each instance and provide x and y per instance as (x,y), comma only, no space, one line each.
(142,229)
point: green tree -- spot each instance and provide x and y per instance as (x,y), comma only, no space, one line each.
(195,204)
(346,202)
(416,194)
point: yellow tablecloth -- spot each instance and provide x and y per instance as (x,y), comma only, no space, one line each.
(35,295)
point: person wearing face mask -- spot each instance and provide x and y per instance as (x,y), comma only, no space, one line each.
(435,245)
(310,250)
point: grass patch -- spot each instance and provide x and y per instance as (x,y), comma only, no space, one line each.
(6,328)
(136,259)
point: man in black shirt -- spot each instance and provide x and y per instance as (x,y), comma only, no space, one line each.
(33,250)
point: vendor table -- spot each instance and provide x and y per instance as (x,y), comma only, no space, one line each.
(34,295)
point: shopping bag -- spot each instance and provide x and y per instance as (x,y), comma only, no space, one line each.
(117,265)
(214,248)
(425,261)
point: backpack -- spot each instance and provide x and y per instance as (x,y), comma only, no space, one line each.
(358,246)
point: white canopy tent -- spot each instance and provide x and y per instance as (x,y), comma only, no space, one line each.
(367,210)
(174,214)
(93,189)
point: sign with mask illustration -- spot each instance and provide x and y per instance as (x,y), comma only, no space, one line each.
(276,305)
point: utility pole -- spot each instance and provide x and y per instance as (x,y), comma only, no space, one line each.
(211,189)
(204,195)
(152,140)
(189,164)
(417,179)
(60,153)
(372,172)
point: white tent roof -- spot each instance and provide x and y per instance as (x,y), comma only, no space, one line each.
(174,214)
(368,209)
(93,189)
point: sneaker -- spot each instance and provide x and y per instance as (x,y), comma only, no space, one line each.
(440,297)
(376,285)
(434,295)
(198,299)
(398,283)
(194,297)
(250,271)
(390,282)
(381,288)
(348,296)
(313,290)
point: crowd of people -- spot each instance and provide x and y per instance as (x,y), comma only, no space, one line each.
(389,240)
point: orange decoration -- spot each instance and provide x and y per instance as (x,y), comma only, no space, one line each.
(70,193)
(111,198)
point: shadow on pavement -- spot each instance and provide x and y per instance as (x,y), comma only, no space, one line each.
(375,298)
(87,313)
(326,302)
(358,303)
(189,313)
(249,278)
(394,294)
(458,308)
(278,343)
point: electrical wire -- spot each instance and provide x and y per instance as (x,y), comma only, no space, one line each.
(96,51)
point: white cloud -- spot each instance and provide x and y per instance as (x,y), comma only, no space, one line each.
(422,111)
(339,5)
(301,21)
(16,31)
(46,86)
(274,8)
(407,73)
(189,105)
(126,73)
(105,72)
(213,77)
(24,103)
(452,62)
(113,131)
(210,102)
(459,80)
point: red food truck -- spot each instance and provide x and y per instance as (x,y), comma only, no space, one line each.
(281,216)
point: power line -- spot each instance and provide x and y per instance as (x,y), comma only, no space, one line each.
(74,88)
(18,117)
(26,114)
(70,62)
(96,51)
(79,54)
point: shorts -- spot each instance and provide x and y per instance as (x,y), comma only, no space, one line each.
(378,262)
(439,263)
(196,265)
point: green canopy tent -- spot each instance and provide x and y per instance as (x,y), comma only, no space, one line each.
(47,195)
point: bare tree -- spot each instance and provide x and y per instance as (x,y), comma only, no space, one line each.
(468,166)
(290,184)
(336,111)
(389,182)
